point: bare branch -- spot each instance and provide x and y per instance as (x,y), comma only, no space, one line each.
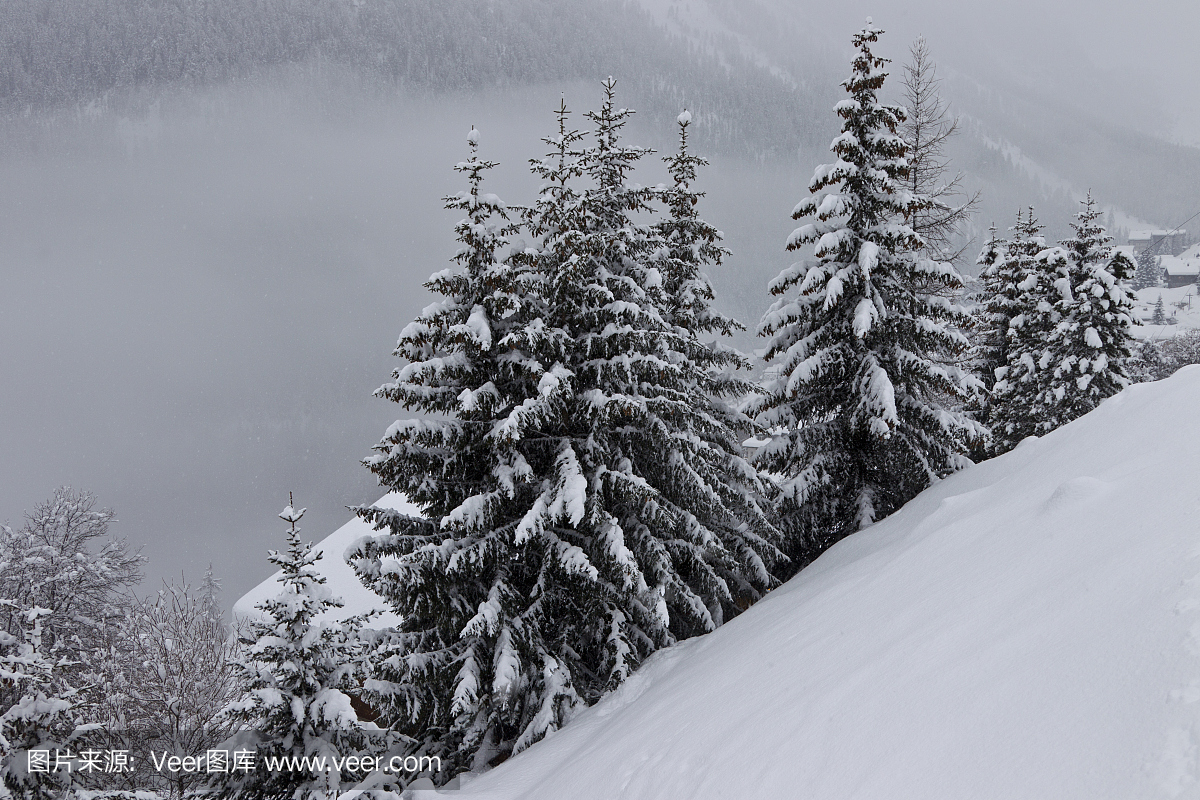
(926,131)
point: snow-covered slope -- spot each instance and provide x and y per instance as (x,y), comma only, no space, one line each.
(1028,628)
(340,578)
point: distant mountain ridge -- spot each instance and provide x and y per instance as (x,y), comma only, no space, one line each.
(56,52)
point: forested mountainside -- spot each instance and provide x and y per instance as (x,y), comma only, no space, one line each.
(1056,152)
(55,52)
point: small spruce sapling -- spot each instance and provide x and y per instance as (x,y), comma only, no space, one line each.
(1159,317)
(298,673)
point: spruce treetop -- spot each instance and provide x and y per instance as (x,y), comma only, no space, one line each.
(1091,243)
(864,351)
(584,499)
(864,187)
(1090,345)
(297,673)
(689,244)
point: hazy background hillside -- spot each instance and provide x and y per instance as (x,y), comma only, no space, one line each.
(215,215)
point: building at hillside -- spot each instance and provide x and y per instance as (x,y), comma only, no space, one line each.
(1161,243)
(1181,270)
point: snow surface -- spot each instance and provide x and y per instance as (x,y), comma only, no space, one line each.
(1027,628)
(1180,302)
(340,578)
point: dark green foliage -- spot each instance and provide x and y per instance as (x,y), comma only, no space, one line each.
(862,356)
(584,499)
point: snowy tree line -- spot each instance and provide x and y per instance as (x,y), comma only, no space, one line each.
(600,476)
(597,481)
(85,662)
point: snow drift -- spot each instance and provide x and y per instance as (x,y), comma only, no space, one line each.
(1027,628)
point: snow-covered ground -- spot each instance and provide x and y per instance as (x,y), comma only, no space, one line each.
(1181,303)
(1028,628)
(340,578)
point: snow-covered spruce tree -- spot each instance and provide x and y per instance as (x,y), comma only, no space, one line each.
(1090,344)
(1148,272)
(669,510)
(703,371)
(1016,396)
(584,511)
(690,245)
(470,671)
(41,719)
(210,597)
(861,361)
(1159,316)
(296,675)
(995,312)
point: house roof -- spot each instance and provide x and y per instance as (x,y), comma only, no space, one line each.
(1145,236)
(1175,265)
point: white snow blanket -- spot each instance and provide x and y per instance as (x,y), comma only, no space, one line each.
(1028,628)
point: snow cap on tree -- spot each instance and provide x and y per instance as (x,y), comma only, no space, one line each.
(859,376)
